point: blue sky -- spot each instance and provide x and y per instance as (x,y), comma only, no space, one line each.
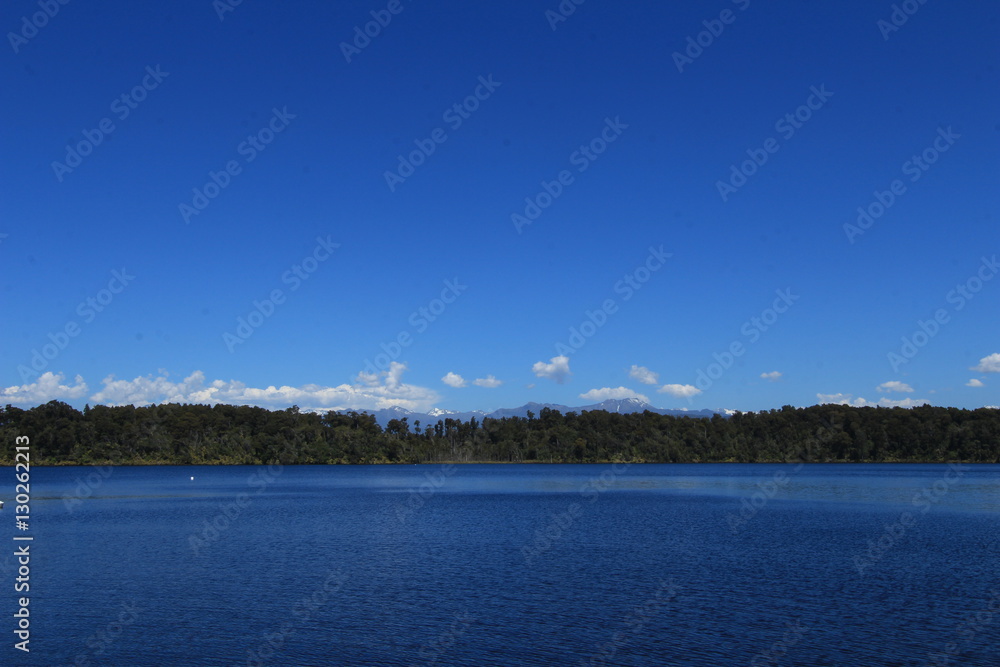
(518,174)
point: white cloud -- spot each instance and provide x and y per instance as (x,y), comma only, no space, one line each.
(643,375)
(489,382)
(839,399)
(557,369)
(394,376)
(48,387)
(371,391)
(604,393)
(679,390)
(453,380)
(773,376)
(147,390)
(974,383)
(895,385)
(368,379)
(989,364)
(860,402)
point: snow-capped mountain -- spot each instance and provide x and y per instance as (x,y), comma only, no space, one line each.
(623,405)
(620,405)
(454,414)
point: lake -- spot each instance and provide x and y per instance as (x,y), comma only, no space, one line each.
(717,564)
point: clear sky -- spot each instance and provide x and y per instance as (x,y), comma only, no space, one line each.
(506,202)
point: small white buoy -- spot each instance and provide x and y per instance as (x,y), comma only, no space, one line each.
(192,479)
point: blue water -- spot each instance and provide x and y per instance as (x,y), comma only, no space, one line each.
(510,565)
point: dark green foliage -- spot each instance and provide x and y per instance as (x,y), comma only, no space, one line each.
(230,434)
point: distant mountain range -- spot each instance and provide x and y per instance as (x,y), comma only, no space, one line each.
(624,405)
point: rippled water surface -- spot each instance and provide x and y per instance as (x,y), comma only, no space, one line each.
(513,565)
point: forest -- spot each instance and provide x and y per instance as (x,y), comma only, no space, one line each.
(227,434)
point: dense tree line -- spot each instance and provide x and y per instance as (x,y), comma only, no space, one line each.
(227,434)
